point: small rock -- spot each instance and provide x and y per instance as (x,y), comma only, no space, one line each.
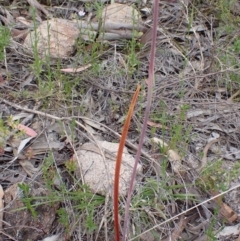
(120,13)
(99,175)
(55,36)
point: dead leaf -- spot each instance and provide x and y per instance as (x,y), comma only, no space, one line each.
(204,160)
(27,130)
(12,177)
(23,143)
(8,20)
(41,145)
(3,80)
(76,70)
(53,238)
(1,207)
(180,226)
(94,125)
(230,100)
(37,5)
(195,113)
(150,123)
(229,231)
(225,210)
(175,161)
(146,37)
(228,213)
(24,21)
(20,116)
(147,237)
(172,155)
(29,167)
(19,34)
(27,81)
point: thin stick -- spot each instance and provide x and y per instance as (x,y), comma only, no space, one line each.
(37,112)
(184,212)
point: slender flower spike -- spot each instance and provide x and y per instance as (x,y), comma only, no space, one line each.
(150,83)
(119,160)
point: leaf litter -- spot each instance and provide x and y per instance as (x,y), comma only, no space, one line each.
(192,80)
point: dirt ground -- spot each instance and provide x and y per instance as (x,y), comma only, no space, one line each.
(56,108)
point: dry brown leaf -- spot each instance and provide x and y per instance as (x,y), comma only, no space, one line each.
(41,145)
(13,177)
(19,34)
(118,34)
(29,131)
(8,20)
(173,156)
(27,81)
(225,210)
(1,206)
(228,213)
(94,125)
(150,123)
(203,161)
(3,81)
(195,113)
(230,100)
(76,70)
(180,226)
(229,231)
(29,167)
(175,161)
(37,5)
(24,21)
(147,237)
(146,37)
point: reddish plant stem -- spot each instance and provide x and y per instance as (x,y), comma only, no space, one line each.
(119,161)
(146,115)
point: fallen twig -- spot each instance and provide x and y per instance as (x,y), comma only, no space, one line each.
(184,212)
(37,112)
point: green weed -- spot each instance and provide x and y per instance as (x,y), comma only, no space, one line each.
(4,40)
(173,128)
(83,202)
(131,56)
(215,177)
(4,132)
(210,232)
(37,65)
(27,199)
